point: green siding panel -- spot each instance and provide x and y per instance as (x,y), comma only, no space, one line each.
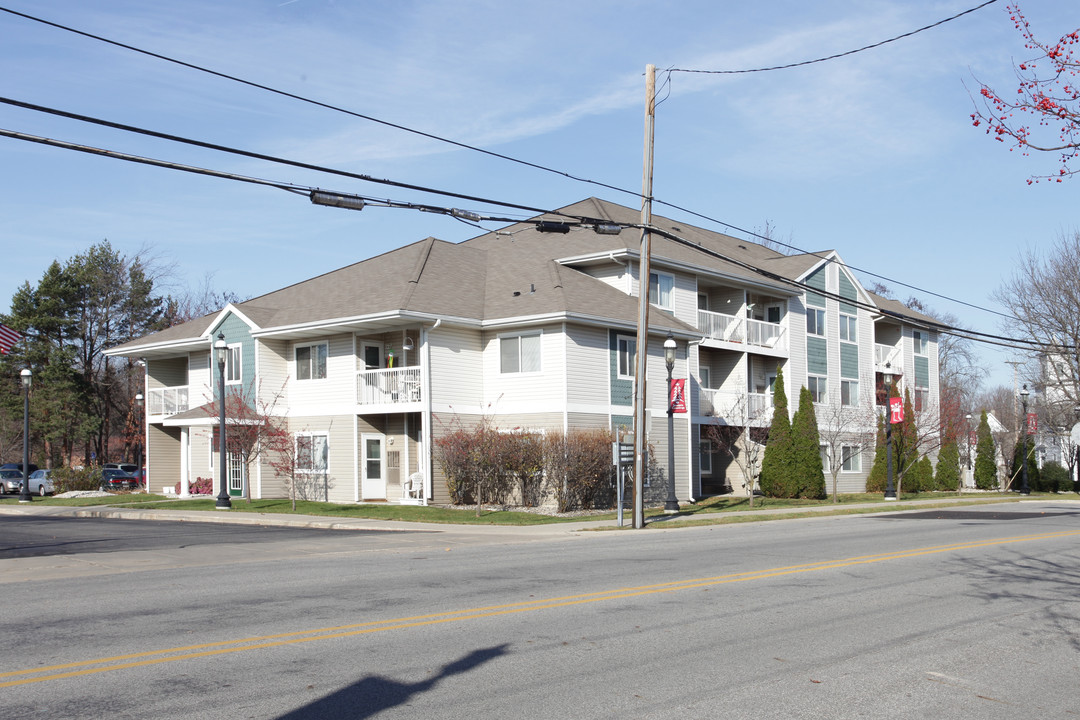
(817,356)
(922,372)
(849,361)
(847,291)
(816,280)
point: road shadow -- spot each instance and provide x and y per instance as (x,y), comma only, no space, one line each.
(375,694)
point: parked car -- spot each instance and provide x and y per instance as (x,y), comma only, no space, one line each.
(141,476)
(10,481)
(41,483)
(129,468)
(117,479)
(17,466)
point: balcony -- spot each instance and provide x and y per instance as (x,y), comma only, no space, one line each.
(754,333)
(888,354)
(732,406)
(388,386)
(167,401)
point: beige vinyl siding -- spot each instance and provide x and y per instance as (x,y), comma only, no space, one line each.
(588,421)
(339,471)
(443,424)
(614,274)
(728,301)
(457,371)
(524,391)
(587,370)
(163,457)
(170,372)
(273,380)
(199,379)
(337,390)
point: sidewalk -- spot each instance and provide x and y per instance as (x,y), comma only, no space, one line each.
(550,529)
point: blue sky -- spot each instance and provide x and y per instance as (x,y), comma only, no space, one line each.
(873,155)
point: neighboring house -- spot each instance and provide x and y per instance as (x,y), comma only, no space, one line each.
(369,363)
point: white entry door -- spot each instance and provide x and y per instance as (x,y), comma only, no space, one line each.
(372,467)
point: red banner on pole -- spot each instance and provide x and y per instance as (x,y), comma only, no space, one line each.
(1032,424)
(896,410)
(678,396)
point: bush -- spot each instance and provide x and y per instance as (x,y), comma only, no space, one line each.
(1054,478)
(68,479)
(201,486)
(948,468)
(919,477)
(578,466)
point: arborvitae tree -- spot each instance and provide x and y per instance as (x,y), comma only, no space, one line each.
(948,468)
(808,480)
(877,477)
(905,436)
(1025,444)
(920,476)
(986,477)
(776,463)
(1054,477)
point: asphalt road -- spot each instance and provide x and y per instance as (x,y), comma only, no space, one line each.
(944,614)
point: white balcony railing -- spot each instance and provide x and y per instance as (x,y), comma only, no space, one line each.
(167,400)
(733,406)
(388,386)
(887,354)
(730,328)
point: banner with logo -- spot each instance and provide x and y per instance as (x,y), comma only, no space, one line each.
(896,410)
(678,396)
(1032,424)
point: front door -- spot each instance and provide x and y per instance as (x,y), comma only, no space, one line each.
(372,467)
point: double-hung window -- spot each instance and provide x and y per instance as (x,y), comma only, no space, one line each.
(920,342)
(233,368)
(849,392)
(311,361)
(311,452)
(817,387)
(519,353)
(661,287)
(850,458)
(849,328)
(815,321)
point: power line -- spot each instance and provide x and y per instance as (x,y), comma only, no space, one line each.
(837,55)
(1016,343)
(466,146)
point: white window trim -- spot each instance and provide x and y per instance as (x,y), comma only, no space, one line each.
(618,357)
(364,345)
(820,327)
(539,334)
(849,381)
(851,322)
(658,303)
(923,342)
(296,446)
(296,363)
(238,365)
(823,379)
(856,455)
(705,456)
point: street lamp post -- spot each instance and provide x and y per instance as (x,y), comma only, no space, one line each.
(26,376)
(1076,450)
(221,349)
(671,505)
(967,444)
(887,376)
(139,443)
(1023,463)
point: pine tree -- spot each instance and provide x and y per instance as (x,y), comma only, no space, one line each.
(808,480)
(985,464)
(776,463)
(876,479)
(948,468)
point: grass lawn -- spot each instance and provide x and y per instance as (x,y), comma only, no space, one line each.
(706,511)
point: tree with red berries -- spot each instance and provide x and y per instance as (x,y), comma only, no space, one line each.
(1044,113)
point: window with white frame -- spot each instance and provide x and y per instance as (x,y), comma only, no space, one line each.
(849,392)
(519,353)
(312,450)
(922,398)
(850,458)
(920,341)
(816,384)
(815,321)
(233,368)
(706,457)
(661,287)
(706,377)
(311,361)
(627,352)
(826,457)
(849,328)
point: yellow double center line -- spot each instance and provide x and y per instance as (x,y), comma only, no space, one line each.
(190,652)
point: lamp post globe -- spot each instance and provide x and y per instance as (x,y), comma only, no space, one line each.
(671,505)
(26,378)
(221,351)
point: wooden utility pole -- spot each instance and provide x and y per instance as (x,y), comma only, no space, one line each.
(644,262)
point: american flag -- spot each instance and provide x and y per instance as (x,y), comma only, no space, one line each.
(8,337)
